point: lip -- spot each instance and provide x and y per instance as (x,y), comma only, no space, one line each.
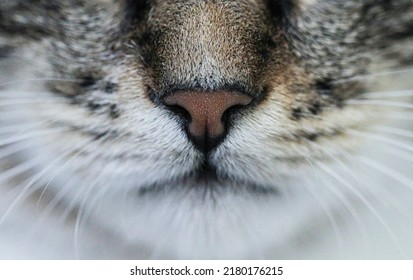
(206,180)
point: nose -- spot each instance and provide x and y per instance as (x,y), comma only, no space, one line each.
(207,120)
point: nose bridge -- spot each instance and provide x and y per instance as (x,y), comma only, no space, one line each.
(207,44)
(215,41)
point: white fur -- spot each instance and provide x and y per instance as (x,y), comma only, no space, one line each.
(348,197)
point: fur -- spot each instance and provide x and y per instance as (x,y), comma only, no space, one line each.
(93,165)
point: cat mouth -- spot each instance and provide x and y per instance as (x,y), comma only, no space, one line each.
(207,180)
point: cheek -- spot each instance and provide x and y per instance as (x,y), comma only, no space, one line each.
(304,4)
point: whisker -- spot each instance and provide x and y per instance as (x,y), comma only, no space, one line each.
(69,187)
(383,139)
(15,148)
(388,94)
(388,171)
(34,101)
(18,169)
(395,131)
(401,105)
(342,198)
(396,151)
(352,210)
(331,219)
(80,213)
(18,129)
(23,137)
(25,190)
(346,202)
(361,178)
(51,79)
(14,114)
(72,185)
(83,147)
(362,198)
(27,95)
(373,75)
(401,116)
(66,188)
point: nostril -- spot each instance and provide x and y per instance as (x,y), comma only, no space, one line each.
(181,112)
(226,116)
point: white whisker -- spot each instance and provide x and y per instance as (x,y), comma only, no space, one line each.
(51,79)
(30,102)
(388,171)
(362,198)
(23,137)
(28,95)
(396,151)
(80,148)
(325,207)
(80,214)
(383,139)
(359,177)
(77,192)
(83,147)
(18,169)
(15,148)
(330,216)
(373,75)
(388,94)
(24,192)
(16,114)
(401,105)
(351,209)
(395,131)
(18,129)
(407,116)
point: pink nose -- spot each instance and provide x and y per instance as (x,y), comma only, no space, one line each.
(206,110)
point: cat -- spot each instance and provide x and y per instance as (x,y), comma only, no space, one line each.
(193,129)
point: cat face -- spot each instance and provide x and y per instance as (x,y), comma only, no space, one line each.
(218,99)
